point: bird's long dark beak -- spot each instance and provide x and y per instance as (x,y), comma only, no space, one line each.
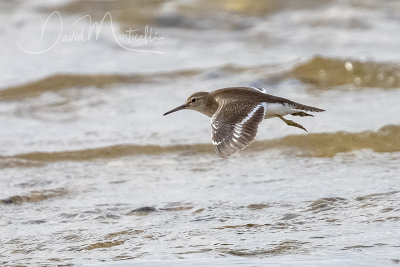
(184,106)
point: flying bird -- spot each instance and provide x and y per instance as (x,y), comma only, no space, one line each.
(235,113)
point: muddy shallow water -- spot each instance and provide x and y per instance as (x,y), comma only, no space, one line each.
(93,174)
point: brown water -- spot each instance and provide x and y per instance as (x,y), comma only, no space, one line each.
(92,173)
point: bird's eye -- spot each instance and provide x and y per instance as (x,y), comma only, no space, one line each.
(193,100)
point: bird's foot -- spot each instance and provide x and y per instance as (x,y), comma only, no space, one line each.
(292,123)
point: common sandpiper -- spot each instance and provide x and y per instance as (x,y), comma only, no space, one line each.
(235,113)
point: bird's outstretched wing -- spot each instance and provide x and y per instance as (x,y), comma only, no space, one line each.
(231,134)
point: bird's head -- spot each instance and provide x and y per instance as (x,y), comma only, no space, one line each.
(197,101)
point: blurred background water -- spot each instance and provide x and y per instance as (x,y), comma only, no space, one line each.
(91,172)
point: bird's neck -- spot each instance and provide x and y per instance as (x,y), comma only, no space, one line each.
(210,106)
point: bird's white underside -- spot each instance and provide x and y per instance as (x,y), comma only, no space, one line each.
(274,109)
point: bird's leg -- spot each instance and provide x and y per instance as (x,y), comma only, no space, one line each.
(291,123)
(301,114)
